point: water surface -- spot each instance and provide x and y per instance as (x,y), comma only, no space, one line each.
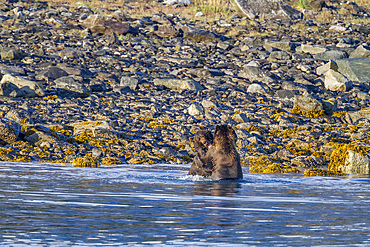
(54,204)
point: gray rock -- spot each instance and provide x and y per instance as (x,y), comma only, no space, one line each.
(16,86)
(332,54)
(41,139)
(20,116)
(256,88)
(356,163)
(355,69)
(131,82)
(361,51)
(11,54)
(313,49)
(269,9)
(240,118)
(254,73)
(69,83)
(195,110)
(335,81)
(307,103)
(326,67)
(9,131)
(353,117)
(281,45)
(286,94)
(180,85)
(51,73)
(280,55)
(197,34)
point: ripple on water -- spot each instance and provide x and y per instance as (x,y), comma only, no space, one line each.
(44,204)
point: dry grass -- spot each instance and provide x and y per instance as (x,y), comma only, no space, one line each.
(212,9)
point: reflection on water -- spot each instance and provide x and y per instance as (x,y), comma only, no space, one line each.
(50,204)
(227,188)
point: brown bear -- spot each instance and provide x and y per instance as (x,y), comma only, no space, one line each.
(223,155)
(202,139)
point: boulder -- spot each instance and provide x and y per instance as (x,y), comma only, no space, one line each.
(326,67)
(131,82)
(84,128)
(16,86)
(332,54)
(254,73)
(335,81)
(307,103)
(19,115)
(355,163)
(361,51)
(70,84)
(178,84)
(269,9)
(51,73)
(256,88)
(312,49)
(355,69)
(9,131)
(281,45)
(11,54)
(167,31)
(352,117)
(109,26)
(195,110)
(197,34)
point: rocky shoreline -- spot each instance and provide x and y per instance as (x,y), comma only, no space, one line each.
(100,86)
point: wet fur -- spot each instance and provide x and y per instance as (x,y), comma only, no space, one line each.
(223,155)
(200,166)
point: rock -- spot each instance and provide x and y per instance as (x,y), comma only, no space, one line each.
(41,139)
(207,103)
(107,27)
(355,69)
(331,55)
(361,51)
(16,86)
(177,2)
(70,84)
(20,116)
(240,118)
(313,49)
(83,128)
(180,85)
(11,54)
(280,55)
(269,9)
(9,131)
(335,81)
(356,163)
(167,31)
(286,94)
(254,73)
(353,117)
(130,82)
(195,110)
(51,73)
(197,34)
(109,134)
(331,65)
(306,103)
(256,88)
(281,45)
(337,28)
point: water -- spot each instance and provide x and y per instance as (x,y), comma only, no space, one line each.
(59,205)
